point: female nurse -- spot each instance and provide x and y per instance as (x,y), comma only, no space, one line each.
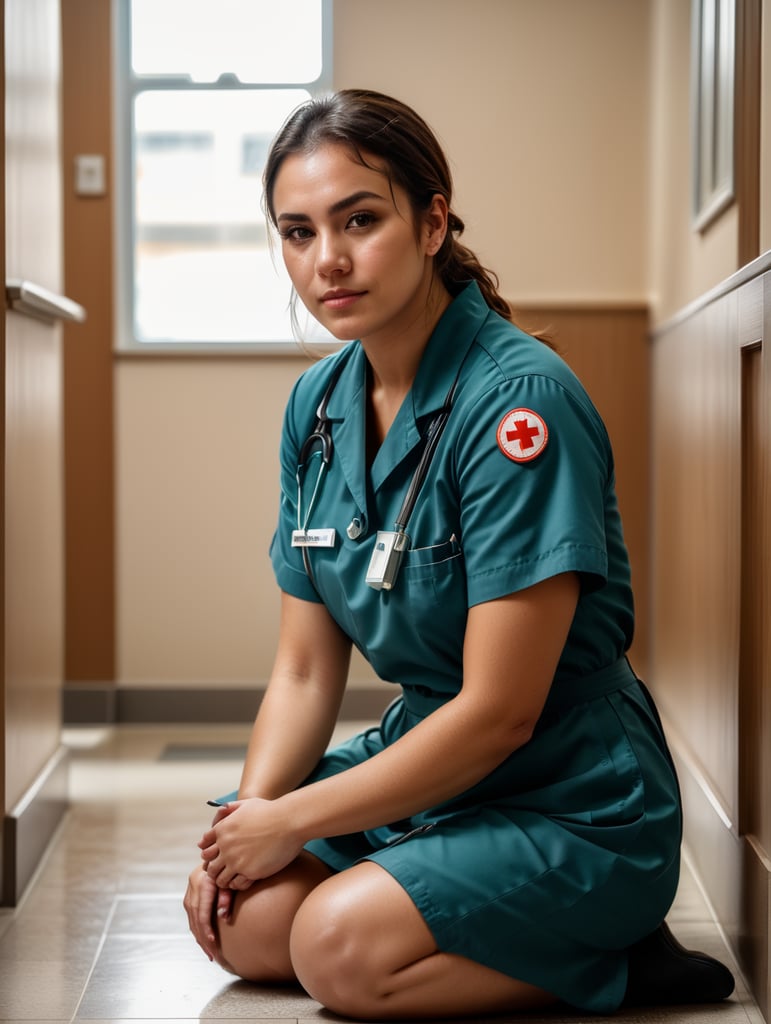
(509,835)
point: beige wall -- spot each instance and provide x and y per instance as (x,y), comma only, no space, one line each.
(197,464)
(542,109)
(683,263)
(544,117)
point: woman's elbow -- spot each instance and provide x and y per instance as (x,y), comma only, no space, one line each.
(509,735)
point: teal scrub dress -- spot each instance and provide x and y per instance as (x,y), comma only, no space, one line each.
(568,852)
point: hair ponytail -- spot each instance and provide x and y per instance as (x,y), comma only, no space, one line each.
(456,264)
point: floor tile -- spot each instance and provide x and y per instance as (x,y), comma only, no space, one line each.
(149,977)
(169,977)
(149,915)
(724,1014)
(39,989)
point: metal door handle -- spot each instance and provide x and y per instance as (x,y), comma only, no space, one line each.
(34,300)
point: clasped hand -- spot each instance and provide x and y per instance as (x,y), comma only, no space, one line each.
(251,840)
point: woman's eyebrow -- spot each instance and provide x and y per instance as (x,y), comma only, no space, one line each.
(341,204)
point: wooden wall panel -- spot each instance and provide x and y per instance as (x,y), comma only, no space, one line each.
(755,663)
(696,517)
(608,348)
(711,588)
(88,349)
(3,309)
(747,127)
(755,765)
(754,703)
(33,528)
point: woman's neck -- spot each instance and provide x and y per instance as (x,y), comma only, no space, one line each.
(393,366)
(394,358)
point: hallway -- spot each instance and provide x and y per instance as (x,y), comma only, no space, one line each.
(101,934)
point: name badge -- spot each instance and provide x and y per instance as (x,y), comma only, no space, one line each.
(324,538)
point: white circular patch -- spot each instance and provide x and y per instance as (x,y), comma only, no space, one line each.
(522,435)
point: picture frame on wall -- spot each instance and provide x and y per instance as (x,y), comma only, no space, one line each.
(713,62)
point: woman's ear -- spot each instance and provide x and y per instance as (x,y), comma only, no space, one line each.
(435,224)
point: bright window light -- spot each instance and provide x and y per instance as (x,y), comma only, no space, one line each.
(209,82)
(277,41)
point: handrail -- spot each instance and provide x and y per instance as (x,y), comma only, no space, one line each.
(34,300)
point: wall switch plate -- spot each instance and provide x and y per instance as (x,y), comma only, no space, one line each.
(90,175)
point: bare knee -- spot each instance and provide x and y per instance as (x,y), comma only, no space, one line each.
(334,956)
(254,940)
(360,946)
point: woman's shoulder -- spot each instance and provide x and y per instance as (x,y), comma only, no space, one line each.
(507,353)
(508,370)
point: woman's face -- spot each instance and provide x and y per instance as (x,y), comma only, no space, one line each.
(353,251)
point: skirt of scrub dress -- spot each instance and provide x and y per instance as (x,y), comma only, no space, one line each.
(556,862)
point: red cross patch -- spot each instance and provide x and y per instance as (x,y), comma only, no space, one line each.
(522,435)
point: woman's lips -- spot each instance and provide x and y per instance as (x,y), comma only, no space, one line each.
(340,298)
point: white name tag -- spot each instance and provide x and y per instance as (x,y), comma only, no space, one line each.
(324,538)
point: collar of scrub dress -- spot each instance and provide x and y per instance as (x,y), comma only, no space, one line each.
(433,434)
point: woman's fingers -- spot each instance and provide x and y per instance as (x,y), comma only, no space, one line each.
(240,883)
(199,905)
(224,903)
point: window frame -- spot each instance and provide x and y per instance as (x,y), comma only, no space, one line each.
(713,57)
(127,86)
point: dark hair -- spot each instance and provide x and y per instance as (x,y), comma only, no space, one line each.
(372,124)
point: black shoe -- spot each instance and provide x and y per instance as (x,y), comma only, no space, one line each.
(662,971)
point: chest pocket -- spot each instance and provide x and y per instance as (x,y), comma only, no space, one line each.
(438,569)
(438,559)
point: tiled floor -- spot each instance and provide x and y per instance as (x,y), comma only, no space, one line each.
(101,934)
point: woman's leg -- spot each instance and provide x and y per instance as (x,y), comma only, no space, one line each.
(254,940)
(361,948)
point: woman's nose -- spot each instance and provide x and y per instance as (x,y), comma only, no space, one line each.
(331,255)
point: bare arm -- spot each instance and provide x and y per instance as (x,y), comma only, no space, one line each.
(290,733)
(511,650)
(302,702)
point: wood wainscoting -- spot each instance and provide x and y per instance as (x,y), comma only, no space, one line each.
(711,594)
(608,347)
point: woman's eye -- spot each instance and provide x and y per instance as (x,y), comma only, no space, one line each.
(297,233)
(360,220)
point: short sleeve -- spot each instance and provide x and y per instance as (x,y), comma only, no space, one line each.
(535,469)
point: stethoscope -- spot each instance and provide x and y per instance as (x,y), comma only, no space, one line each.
(390,545)
(320,436)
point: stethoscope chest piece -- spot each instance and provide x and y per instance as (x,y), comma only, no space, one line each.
(355,528)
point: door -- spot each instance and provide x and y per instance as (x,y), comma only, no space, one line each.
(34,777)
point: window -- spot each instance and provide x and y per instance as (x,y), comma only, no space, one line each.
(204,85)
(714,23)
